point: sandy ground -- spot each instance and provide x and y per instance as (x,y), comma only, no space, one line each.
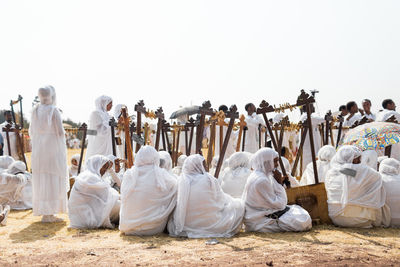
(26,241)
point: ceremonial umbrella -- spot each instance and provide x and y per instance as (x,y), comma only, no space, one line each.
(185,111)
(372,136)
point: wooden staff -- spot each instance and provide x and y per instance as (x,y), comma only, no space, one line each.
(328,119)
(310,132)
(128,143)
(204,110)
(232,114)
(263,109)
(165,129)
(7,129)
(160,117)
(244,138)
(340,118)
(83,128)
(211,144)
(20,145)
(242,124)
(259,136)
(139,108)
(189,126)
(113,124)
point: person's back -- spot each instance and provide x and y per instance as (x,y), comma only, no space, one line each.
(148,195)
(356,197)
(234,178)
(203,209)
(390,171)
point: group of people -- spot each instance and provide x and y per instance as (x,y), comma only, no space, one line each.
(187,200)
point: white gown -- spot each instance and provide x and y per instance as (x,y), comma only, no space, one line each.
(390,171)
(49,157)
(355,200)
(264,196)
(252,137)
(203,209)
(148,195)
(100,144)
(234,177)
(93,203)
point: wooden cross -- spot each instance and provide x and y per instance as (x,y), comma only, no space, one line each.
(189,127)
(328,129)
(242,124)
(221,123)
(204,110)
(166,127)
(211,144)
(341,120)
(129,152)
(232,114)
(139,108)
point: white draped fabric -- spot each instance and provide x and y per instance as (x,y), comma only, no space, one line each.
(178,169)
(93,203)
(252,136)
(13,141)
(5,162)
(49,156)
(350,121)
(390,171)
(325,154)
(370,158)
(100,144)
(263,196)
(165,160)
(356,196)
(16,187)
(148,195)
(203,209)
(234,177)
(293,181)
(307,156)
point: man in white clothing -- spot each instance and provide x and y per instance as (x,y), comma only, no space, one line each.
(366,104)
(354,114)
(253,121)
(49,158)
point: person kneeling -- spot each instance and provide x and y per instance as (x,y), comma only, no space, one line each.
(203,209)
(356,196)
(148,195)
(266,199)
(93,203)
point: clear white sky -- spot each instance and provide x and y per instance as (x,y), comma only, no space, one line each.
(173,53)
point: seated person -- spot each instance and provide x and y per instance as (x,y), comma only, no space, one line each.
(266,200)
(390,171)
(5,162)
(93,203)
(234,177)
(370,158)
(165,160)
(203,209)
(16,187)
(356,196)
(293,181)
(178,169)
(73,169)
(148,195)
(325,154)
(115,174)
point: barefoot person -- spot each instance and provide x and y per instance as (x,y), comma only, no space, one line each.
(49,158)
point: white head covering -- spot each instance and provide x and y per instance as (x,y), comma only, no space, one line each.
(263,160)
(47,95)
(5,162)
(181,160)
(381,158)
(95,163)
(102,102)
(390,166)
(165,160)
(118,110)
(345,154)
(326,153)
(76,157)
(370,158)
(239,160)
(17,167)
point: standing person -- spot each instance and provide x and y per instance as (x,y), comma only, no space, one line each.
(253,121)
(354,114)
(100,144)
(366,104)
(11,136)
(49,158)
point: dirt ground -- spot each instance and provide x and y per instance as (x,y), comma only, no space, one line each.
(27,241)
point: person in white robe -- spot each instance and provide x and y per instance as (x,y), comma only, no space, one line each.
(293,181)
(178,169)
(253,122)
(354,114)
(73,168)
(266,200)
(165,160)
(325,154)
(370,158)
(316,121)
(12,137)
(356,196)
(115,174)
(50,181)
(93,203)
(234,177)
(100,144)
(366,104)
(390,171)
(5,162)
(203,209)
(16,187)
(148,195)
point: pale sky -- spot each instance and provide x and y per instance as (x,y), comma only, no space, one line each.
(174,53)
